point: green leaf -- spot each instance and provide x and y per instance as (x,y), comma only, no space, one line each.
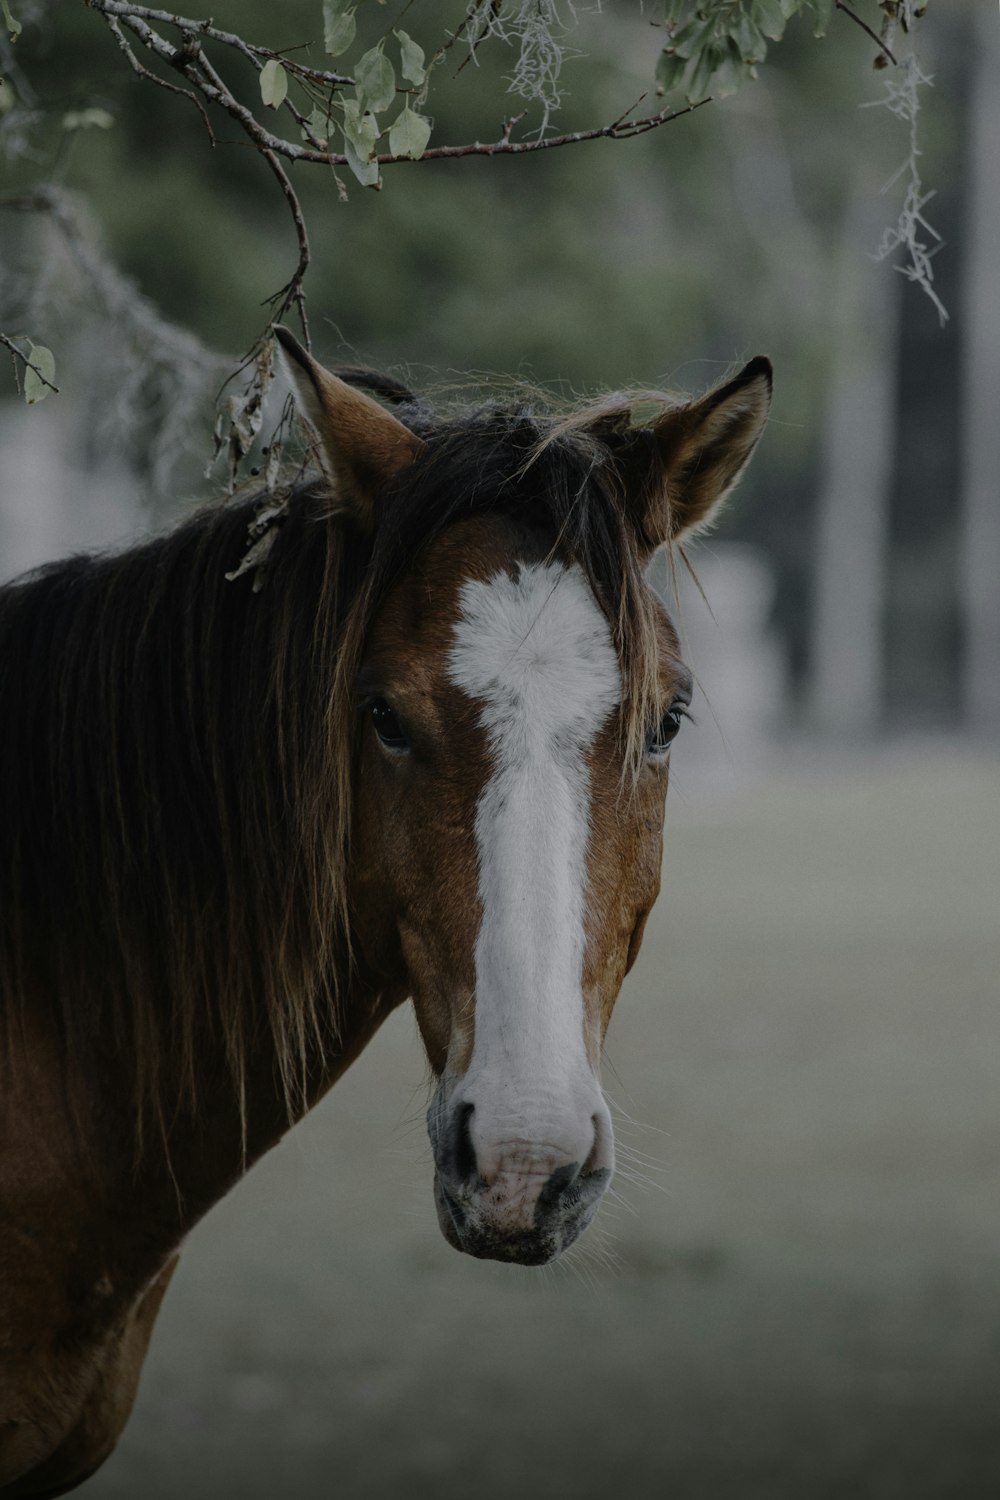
(750,39)
(670,70)
(375,78)
(364,170)
(13,27)
(87,119)
(42,368)
(701,77)
(769,16)
(409,134)
(790,7)
(7,98)
(273,84)
(412,64)
(730,72)
(319,123)
(691,40)
(824,15)
(360,129)
(339,27)
(673,10)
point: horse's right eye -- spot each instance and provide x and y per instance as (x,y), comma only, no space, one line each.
(387,726)
(659,740)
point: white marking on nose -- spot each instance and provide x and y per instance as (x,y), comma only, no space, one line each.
(537,651)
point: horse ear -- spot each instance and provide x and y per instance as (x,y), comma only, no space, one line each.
(361,445)
(694,454)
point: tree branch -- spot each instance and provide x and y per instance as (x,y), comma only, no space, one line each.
(142,72)
(8,343)
(167,372)
(257,55)
(618,130)
(292,292)
(208,87)
(114,292)
(882,45)
(189,58)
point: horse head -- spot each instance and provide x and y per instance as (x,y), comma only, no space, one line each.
(518,690)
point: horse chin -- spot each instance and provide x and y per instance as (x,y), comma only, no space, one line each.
(468,1229)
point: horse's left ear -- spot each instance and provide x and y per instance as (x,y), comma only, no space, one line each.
(361,445)
(694,454)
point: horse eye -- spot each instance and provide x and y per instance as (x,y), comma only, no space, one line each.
(659,740)
(387,726)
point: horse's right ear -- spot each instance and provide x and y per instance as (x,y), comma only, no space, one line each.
(679,469)
(361,445)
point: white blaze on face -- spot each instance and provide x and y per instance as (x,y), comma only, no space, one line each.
(537,652)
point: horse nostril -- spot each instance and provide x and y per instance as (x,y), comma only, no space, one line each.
(461,1166)
(557,1191)
(601,1150)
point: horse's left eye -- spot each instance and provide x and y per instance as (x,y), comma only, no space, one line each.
(659,740)
(387,726)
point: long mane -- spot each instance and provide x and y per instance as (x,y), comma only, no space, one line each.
(176,761)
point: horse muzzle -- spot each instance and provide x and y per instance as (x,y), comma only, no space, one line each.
(518,1197)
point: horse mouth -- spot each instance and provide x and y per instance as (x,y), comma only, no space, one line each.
(479,1222)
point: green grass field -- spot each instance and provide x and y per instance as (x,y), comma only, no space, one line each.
(796,1292)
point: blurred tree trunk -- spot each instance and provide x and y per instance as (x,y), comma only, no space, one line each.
(858,446)
(980,562)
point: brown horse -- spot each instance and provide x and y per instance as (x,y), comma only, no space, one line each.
(420,750)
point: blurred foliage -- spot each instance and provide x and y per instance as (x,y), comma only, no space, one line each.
(449,244)
(659,261)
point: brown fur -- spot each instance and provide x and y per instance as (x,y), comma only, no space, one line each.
(370,446)
(213,892)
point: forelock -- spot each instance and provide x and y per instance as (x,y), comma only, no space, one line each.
(554,478)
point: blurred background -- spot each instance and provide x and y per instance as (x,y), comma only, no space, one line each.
(795,1291)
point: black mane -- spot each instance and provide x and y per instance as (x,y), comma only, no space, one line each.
(177,752)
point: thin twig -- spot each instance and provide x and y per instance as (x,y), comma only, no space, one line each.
(455,36)
(26,361)
(190,60)
(127,11)
(213,87)
(114,292)
(842,5)
(478,41)
(206,86)
(143,72)
(292,291)
(509,125)
(618,130)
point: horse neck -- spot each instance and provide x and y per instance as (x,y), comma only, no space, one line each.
(147,1201)
(218,1143)
(201,796)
